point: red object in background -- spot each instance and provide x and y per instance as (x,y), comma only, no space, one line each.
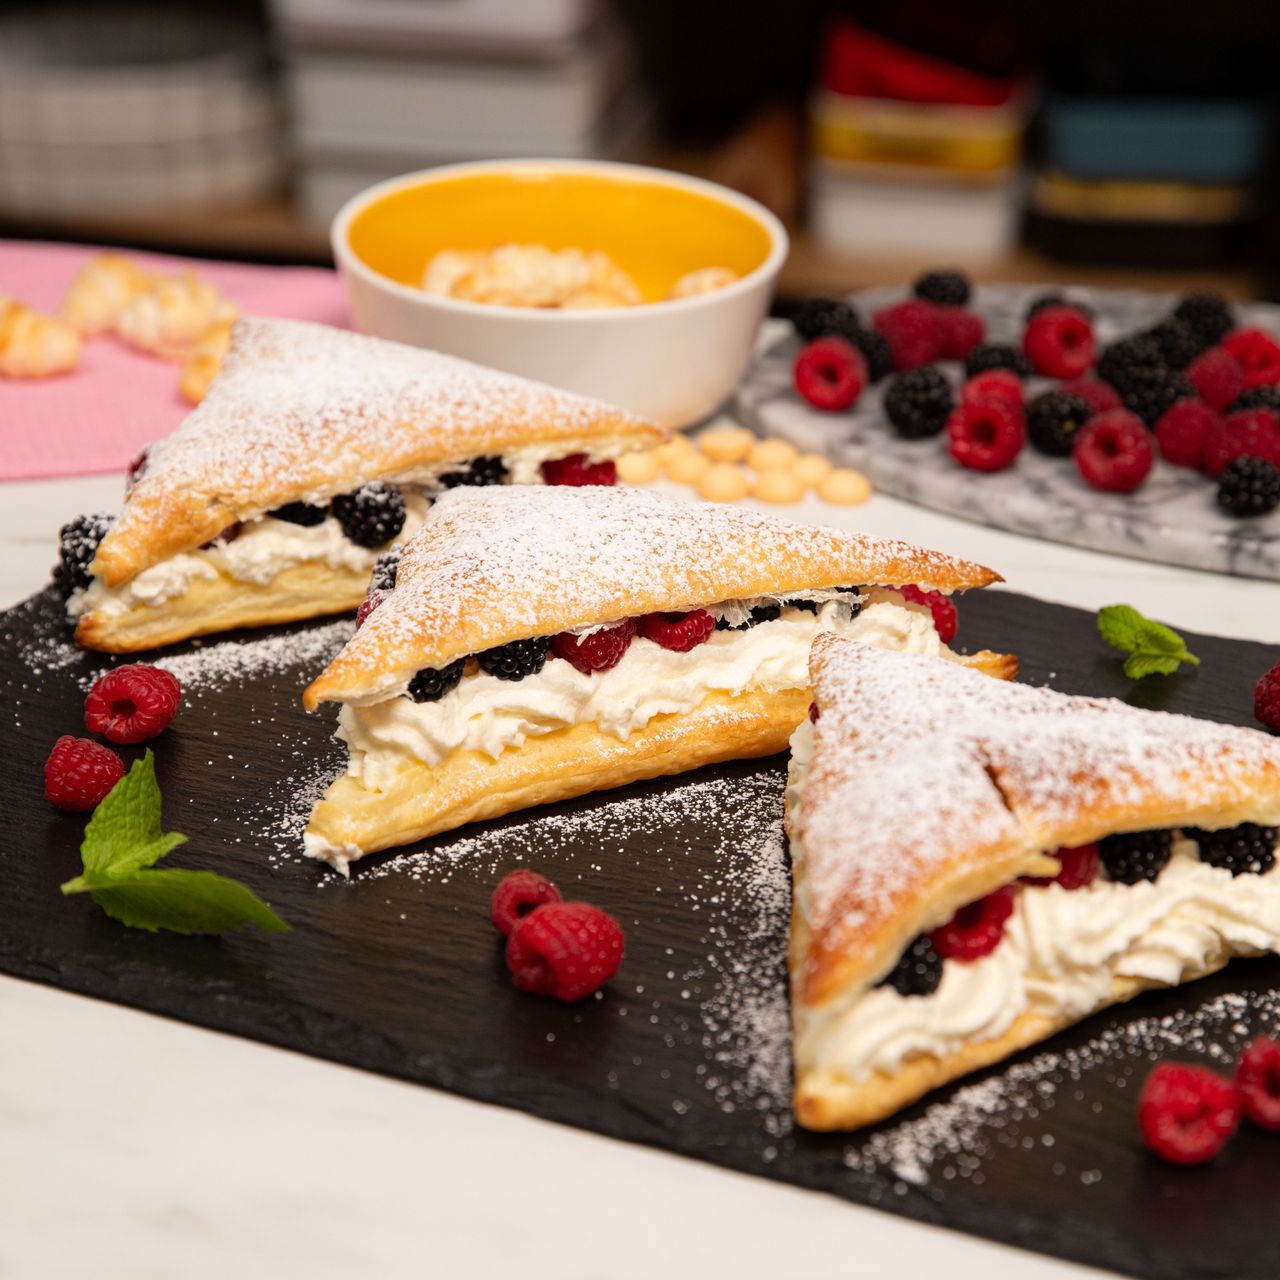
(860,64)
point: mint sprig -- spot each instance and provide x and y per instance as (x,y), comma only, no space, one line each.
(1153,648)
(121,846)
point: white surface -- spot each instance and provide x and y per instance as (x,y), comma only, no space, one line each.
(136,1147)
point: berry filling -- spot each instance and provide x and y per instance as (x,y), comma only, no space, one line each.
(975,930)
(1079,867)
(599,651)
(679,632)
(576,471)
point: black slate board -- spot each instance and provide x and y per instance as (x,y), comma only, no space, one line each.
(399,972)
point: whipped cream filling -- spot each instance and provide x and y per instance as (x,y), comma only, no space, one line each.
(262,550)
(1060,955)
(488,715)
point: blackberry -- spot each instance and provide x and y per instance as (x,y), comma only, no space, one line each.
(516,660)
(1133,364)
(875,350)
(1247,847)
(371,516)
(919,971)
(430,684)
(302,513)
(1257,398)
(1151,402)
(761,613)
(1047,300)
(820,317)
(1208,315)
(994,355)
(854,600)
(1249,486)
(385,569)
(479,471)
(1053,420)
(805,606)
(1179,343)
(918,402)
(78,542)
(946,288)
(1136,856)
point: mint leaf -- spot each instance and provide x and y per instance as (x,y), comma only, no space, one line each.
(124,832)
(1153,648)
(181,901)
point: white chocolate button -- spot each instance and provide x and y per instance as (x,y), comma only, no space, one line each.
(688,467)
(780,485)
(638,468)
(723,482)
(676,447)
(844,487)
(770,454)
(812,468)
(726,443)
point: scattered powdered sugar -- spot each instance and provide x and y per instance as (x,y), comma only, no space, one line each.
(44,640)
(229,662)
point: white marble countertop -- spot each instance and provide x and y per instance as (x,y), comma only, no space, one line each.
(139,1147)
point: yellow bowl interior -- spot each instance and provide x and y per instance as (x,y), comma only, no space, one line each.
(654,232)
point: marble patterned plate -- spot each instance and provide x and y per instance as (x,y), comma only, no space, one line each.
(1172,518)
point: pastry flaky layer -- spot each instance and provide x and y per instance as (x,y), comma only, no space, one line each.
(304,412)
(926,788)
(492,565)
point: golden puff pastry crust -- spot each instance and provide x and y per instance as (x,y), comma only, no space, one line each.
(303,412)
(1007,771)
(491,565)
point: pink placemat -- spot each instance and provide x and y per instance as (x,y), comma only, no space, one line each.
(117,400)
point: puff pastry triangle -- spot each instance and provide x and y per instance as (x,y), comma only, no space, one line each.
(922,790)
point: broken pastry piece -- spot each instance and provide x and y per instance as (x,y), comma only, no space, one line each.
(536,644)
(979,864)
(314,450)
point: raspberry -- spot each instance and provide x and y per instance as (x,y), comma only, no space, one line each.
(961,331)
(1207,314)
(975,931)
(1186,1114)
(480,471)
(1258,353)
(516,660)
(917,403)
(576,471)
(820,317)
(991,355)
(598,651)
(1183,430)
(830,374)
(564,949)
(679,632)
(814,713)
(431,683)
(136,469)
(913,332)
(986,435)
(1217,376)
(995,384)
(1255,433)
(1079,868)
(1059,342)
(79,773)
(1266,699)
(918,972)
(1053,419)
(1258,1079)
(386,569)
(371,516)
(1245,849)
(1136,855)
(1113,451)
(517,894)
(946,288)
(1248,487)
(367,606)
(78,541)
(300,513)
(132,703)
(946,620)
(1098,395)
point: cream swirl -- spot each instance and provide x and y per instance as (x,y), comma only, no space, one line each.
(488,715)
(1061,953)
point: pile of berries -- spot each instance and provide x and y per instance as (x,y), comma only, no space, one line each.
(1194,389)
(127,705)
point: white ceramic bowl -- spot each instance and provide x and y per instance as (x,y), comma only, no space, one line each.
(673,362)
